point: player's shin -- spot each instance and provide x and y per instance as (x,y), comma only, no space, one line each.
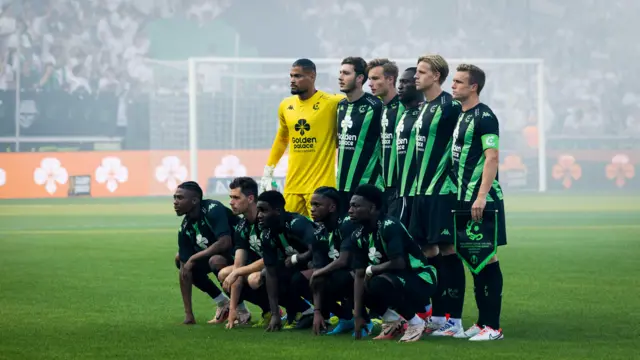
(492,283)
(438,310)
(452,289)
(186,292)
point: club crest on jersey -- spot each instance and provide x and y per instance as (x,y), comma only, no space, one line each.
(202,241)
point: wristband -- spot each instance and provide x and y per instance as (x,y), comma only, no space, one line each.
(294,259)
(369,271)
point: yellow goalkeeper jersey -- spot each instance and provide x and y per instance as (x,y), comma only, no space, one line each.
(309,128)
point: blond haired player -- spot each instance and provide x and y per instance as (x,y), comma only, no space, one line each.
(308,125)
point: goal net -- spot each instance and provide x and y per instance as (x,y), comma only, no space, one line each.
(228,111)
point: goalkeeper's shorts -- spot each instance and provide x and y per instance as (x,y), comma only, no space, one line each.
(298,203)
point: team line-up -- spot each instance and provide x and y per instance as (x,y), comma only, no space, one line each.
(384,236)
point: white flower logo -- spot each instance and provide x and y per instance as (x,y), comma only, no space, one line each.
(374,255)
(112,172)
(3,177)
(254,243)
(230,166)
(281,168)
(289,250)
(50,173)
(202,241)
(333,253)
(346,123)
(171,172)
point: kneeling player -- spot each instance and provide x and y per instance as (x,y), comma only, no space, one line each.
(242,279)
(286,246)
(206,230)
(390,270)
(331,281)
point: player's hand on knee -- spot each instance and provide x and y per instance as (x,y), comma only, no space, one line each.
(267,182)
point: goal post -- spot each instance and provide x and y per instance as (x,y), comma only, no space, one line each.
(234,93)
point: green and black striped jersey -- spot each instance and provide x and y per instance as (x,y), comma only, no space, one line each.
(433,131)
(390,116)
(359,145)
(405,151)
(477,130)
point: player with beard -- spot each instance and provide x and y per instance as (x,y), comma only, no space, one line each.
(359,145)
(431,223)
(286,248)
(206,231)
(405,144)
(383,75)
(307,125)
(475,153)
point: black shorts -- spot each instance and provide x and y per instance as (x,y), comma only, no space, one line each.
(441,219)
(413,287)
(420,219)
(391,200)
(502,225)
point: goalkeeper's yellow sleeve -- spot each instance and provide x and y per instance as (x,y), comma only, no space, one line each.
(281,141)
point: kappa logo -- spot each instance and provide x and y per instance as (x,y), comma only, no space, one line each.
(486,114)
(290,107)
(316,106)
(445,232)
(302,126)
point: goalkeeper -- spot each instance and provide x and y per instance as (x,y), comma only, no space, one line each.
(308,125)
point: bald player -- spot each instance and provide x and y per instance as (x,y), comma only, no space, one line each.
(308,125)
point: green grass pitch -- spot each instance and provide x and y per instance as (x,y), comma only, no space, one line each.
(95,279)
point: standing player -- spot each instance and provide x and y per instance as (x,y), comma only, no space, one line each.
(390,270)
(383,75)
(286,246)
(405,144)
(206,230)
(308,126)
(359,138)
(430,226)
(475,165)
(242,279)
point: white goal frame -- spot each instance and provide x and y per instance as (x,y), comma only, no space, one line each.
(193,90)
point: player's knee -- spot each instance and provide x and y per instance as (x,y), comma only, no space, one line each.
(255,280)
(222,274)
(217,262)
(430,251)
(378,285)
(447,249)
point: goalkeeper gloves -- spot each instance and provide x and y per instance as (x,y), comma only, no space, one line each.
(267,182)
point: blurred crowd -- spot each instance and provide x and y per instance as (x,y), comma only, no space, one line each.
(95,46)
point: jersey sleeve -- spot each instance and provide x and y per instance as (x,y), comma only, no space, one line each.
(185,250)
(393,238)
(240,240)
(304,231)
(218,220)
(269,249)
(489,131)
(359,255)
(320,249)
(282,137)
